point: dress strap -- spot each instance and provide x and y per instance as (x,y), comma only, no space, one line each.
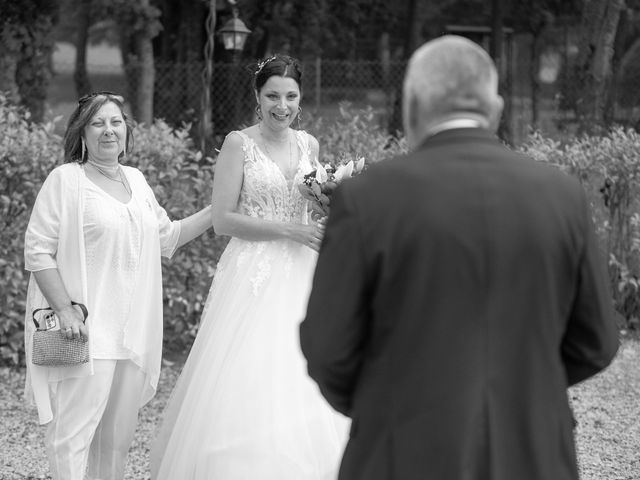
(302,137)
(247,142)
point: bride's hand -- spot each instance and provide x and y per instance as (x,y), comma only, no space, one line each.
(310,235)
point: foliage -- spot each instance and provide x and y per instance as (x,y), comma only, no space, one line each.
(328,28)
(609,168)
(181,179)
(28,151)
(25,30)
(354,134)
(589,86)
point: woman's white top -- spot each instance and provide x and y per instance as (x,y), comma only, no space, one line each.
(112,236)
(59,236)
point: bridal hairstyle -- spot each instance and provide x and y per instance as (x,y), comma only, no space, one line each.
(88,106)
(279,65)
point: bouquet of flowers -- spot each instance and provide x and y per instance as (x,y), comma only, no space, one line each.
(319,184)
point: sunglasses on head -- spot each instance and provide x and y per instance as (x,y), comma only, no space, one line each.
(84,99)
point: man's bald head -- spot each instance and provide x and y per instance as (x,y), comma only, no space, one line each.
(447,78)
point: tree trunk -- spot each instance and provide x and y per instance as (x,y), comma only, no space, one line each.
(139,61)
(194,40)
(413,37)
(9,57)
(497,35)
(533,78)
(129,62)
(496,50)
(206,124)
(80,76)
(143,106)
(34,67)
(540,36)
(595,52)
(625,64)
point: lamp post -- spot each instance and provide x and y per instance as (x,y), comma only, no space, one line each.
(234,34)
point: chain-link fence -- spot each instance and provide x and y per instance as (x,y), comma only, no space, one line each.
(178,90)
(533,90)
(326,83)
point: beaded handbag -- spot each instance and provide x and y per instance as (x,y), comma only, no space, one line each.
(50,347)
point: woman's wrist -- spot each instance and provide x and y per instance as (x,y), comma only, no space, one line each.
(287,230)
(64,307)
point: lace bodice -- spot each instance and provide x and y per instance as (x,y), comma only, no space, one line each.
(266,193)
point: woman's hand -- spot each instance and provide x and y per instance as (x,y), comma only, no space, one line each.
(72,323)
(310,235)
(69,317)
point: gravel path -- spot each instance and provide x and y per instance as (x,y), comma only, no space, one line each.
(607,408)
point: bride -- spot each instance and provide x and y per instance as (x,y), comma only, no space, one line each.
(244,406)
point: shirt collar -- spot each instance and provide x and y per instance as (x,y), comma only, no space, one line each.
(454,123)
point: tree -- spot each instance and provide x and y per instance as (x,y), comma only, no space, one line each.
(623,95)
(25,31)
(80,75)
(496,49)
(594,63)
(537,18)
(138,23)
(12,34)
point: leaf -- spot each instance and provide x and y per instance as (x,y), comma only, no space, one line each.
(324,200)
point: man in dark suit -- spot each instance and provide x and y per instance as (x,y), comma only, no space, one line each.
(459,291)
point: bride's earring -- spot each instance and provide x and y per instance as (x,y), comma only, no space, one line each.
(299,117)
(84,149)
(258,112)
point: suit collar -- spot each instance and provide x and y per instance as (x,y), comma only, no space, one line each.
(456,135)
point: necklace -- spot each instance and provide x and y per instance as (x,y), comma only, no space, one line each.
(117,170)
(290,163)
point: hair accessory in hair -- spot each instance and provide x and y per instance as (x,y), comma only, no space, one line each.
(86,98)
(263,63)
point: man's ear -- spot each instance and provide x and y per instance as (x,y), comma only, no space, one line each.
(410,118)
(496,114)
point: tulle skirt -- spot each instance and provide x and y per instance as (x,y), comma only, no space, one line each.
(244,406)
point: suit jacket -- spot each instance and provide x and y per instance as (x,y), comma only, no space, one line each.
(459,291)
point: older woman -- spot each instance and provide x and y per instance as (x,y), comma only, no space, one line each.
(95,237)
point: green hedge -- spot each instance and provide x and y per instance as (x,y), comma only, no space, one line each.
(28,151)
(352,135)
(608,166)
(182,178)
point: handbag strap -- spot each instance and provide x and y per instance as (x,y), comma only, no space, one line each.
(85,313)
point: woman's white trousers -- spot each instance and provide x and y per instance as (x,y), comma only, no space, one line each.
(94,420)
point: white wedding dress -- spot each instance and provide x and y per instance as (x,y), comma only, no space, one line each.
(244,407)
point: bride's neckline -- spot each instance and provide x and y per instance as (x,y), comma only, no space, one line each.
(288,179)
